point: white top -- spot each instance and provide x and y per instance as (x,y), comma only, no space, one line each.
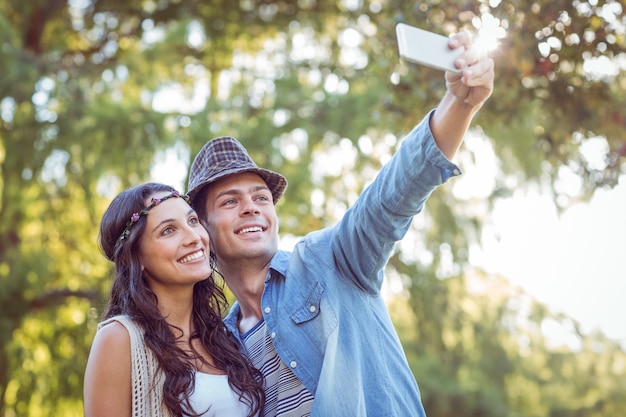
(213,397)
(147,383)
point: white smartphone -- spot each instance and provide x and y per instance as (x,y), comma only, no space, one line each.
(426,48)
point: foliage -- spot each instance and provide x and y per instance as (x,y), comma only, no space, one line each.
(315,90)
(492,355)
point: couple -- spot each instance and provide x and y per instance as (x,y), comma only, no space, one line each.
(313,327)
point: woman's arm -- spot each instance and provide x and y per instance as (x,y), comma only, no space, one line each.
(107,387)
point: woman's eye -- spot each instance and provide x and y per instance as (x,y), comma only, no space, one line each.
(194,220)
(167,231)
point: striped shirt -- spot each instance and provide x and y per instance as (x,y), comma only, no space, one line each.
(285,395)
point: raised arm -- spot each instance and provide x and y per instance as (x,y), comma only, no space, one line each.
(365,237)
(465,94)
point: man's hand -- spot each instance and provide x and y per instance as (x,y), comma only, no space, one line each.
(466,92)
(474,84)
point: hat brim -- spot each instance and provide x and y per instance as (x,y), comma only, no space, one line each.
(275,182)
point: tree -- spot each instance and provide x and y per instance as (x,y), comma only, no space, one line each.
(493,356)
(302,83)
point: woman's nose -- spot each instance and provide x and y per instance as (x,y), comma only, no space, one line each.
(192,235)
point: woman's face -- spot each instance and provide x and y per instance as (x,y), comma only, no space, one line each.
(174,247)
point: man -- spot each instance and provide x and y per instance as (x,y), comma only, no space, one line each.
(313,320)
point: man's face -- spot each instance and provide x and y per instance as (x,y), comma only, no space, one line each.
(241,219)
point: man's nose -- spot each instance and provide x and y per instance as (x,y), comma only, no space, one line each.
(248,206)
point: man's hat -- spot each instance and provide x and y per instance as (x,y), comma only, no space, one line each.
(225,156)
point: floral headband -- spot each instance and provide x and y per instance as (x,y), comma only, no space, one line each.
(136,216)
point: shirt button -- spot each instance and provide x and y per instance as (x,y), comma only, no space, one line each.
(273,335)
(293,364)
(312,309)
(268,309)
(456,172)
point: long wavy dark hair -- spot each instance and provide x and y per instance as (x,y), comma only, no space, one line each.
(131,295)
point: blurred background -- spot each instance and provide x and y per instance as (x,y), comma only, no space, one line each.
(508,291)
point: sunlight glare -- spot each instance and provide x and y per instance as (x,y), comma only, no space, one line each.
(560,334)
(170,167)
(490,32)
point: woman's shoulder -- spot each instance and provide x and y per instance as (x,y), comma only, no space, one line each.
(122,319)
(112,334)
(108,372)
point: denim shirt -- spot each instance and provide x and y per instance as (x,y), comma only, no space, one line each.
(322,302)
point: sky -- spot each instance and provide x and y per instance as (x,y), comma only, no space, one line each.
(573,262)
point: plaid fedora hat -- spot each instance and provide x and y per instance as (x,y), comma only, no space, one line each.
(225,156)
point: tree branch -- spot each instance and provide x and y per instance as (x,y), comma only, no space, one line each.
(54,298)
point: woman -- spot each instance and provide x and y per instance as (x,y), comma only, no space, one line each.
(162,349)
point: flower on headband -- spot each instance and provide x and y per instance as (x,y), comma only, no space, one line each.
(134,218)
